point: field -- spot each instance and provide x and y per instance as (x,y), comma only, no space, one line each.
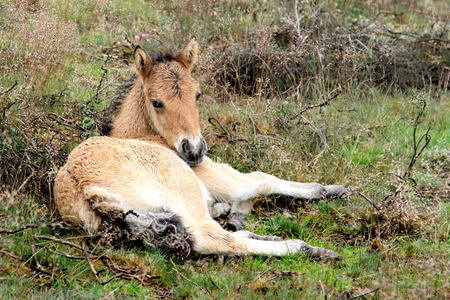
(337,92)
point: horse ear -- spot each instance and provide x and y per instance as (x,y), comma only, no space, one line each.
(188,56)
(142,61)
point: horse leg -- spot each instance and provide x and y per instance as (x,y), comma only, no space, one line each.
(226,184)
(210,237)
(195,223)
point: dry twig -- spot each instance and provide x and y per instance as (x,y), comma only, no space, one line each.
(13,231)
(102,78)
(9,90)
(369,200)
(366,293)
(418,146)
(228,135)
(326,102)
(187,279)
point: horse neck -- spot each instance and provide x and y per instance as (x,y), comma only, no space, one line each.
(132,121)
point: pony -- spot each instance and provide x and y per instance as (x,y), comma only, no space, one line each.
(151,172)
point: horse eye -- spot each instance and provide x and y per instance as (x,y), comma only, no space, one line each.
(197,97)
(157,104)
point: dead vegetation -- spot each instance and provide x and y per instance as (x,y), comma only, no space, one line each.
(331,50)
(76,250)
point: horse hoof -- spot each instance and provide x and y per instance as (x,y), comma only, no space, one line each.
(336,191)
(236,222)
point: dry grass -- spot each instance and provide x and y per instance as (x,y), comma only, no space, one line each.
(331,51)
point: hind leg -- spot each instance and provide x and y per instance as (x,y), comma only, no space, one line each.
(71,204)
(210,237)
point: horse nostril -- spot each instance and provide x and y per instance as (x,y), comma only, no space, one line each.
(193,153)
(204,147)
(185,146)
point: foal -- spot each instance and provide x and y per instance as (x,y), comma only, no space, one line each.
(152,169)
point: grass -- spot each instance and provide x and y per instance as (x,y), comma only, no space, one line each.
(362,138)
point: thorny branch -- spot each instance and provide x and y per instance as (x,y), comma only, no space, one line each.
(419,145)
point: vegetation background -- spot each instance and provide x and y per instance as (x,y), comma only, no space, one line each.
(349,92)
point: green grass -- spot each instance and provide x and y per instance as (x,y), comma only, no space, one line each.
(362,138)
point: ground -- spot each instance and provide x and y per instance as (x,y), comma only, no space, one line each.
(335,92)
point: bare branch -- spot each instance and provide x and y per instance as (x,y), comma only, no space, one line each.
(9,90)
(230,139)
(369,200)
(7,231)
(326,102)
(187,279)
(420,144)
(366,293)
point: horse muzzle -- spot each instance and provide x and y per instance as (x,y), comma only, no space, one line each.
(192,153)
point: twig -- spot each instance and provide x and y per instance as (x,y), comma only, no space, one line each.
(7,106)
(10,89)
(133,45)
(110,294)
(86,254)
(53,239)
(257,277)
(7,231)
(287,273)
(105,71)
(61,253)
(418,147)
(366,293)
(433,39)
(24,183)
(396,14)
(326,102)
(128,274)
(230,139)
(4,252)
(323,289)
(68,123)
(376,126)
(107,262)
(187,279)
(36,269)
(210,279)
(369,200)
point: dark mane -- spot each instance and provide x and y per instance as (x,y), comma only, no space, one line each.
(163,57)
(106,119)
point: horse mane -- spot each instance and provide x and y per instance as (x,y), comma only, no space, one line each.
(106,122)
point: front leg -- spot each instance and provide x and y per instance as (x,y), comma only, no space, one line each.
(226,184)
